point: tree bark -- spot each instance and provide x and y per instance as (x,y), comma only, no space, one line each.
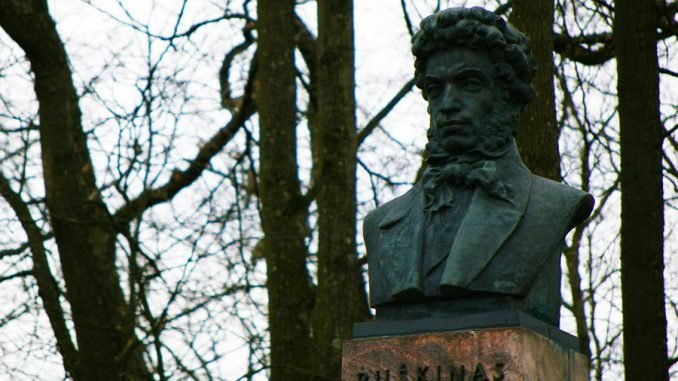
(642,217)
(538,133)
(83,229)
(341,299)
(290,298)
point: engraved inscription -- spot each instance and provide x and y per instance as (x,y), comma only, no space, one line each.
(437,373)
(479,374)
(457,374)
(421,373)
(403,372)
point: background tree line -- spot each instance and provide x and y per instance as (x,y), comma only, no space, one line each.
(184,187)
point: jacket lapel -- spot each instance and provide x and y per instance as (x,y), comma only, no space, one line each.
(489,221)
(400,243)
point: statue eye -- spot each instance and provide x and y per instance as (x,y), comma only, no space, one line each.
(434,89)
(473,85)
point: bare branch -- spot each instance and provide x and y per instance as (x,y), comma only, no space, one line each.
(374,122)
(580,48)
(21,248)
(406,16)
(667,71)
(140,27)
(227,101)
(47,285)
(15,251)
(306,43)
(20,274)
(181,179)
(502,9)
(573,48)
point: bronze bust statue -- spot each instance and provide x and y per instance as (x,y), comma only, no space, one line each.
(479,232)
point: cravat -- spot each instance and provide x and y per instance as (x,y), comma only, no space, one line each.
(440,181)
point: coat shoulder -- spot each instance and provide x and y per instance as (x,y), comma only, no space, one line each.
(572,204)
(392,211)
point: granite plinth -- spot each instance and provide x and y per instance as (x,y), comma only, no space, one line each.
(490,354)
(462,322)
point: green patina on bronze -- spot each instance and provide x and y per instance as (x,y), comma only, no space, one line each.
(479,232)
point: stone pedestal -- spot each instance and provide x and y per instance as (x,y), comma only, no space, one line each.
(486,354)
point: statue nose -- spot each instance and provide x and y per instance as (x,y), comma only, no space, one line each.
(451,101)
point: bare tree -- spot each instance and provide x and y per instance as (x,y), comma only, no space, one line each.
(642,216)
(290,293)
(104,315)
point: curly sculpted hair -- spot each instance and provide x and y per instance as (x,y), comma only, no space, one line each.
(478,29)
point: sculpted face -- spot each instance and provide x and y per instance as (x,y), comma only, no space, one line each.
(461,96)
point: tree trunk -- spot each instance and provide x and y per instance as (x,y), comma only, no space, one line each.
(642,262)
(341,299)
(283,208)
(83,229)
(538,133)
(574,280)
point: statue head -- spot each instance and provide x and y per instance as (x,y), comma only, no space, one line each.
(475,71)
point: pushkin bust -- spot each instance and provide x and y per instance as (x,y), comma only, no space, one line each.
(479,232)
